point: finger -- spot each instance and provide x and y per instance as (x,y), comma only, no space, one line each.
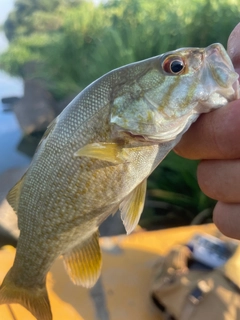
(214,136)
(233,47)
(220,180)
(227,219)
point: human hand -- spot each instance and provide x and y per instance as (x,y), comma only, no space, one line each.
(215,138)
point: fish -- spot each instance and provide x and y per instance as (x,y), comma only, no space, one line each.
(95,158)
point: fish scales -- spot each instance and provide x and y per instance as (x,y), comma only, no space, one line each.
(67,167)
(95,158)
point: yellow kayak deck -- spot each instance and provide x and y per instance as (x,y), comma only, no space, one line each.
(122,291)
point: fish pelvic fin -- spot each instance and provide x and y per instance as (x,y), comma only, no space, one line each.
(132,206)
(83,263)
(105,151)
(34,299)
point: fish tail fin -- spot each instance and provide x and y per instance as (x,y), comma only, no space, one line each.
(34,300)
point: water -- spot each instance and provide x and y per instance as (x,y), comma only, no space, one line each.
(10,132)
(10,136)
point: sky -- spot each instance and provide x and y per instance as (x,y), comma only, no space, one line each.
(5,7)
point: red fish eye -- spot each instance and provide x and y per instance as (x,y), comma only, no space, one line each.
(173,65)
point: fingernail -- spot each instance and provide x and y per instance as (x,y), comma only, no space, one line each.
(233,46)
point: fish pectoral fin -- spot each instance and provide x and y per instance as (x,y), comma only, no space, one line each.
(83,263)
(34,299)
(132,206)
(14,194)
(105,151)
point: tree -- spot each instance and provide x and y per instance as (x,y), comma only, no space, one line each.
(21,21)
(77,41)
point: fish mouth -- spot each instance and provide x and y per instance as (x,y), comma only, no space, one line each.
(221,68)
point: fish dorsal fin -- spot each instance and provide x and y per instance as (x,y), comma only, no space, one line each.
(105,151)
(132,206)
(83,263)
(14,194)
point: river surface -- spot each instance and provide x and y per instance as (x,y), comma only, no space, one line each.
(10,132)
(10,136)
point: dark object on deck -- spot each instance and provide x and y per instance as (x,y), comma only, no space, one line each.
(8,103)
(29,143)
(6,238)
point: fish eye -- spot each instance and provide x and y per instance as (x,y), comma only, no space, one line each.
(173,65)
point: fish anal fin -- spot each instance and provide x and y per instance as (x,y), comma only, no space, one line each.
(132,206)
(34,299)
(105,151)
(83,263)
(14,194)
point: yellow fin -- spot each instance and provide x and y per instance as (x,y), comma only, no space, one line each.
(105,151)
(14,194)
(33,299)
(83,263)
(132,206)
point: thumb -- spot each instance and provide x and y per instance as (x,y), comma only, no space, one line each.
(233,47)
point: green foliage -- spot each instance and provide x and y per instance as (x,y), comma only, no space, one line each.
(175,183)
(21,21)
(174,196)
(76,41)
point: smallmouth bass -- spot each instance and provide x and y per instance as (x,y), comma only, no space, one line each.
(96,157)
